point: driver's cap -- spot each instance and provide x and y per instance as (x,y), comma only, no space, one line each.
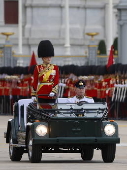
(80,84)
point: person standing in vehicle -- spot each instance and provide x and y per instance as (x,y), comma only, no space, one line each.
(80,94)
(46,75)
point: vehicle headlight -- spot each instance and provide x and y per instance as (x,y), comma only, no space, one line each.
(41,130)
(109,130)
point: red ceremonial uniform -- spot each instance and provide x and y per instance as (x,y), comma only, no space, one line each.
(90,91)
(7,87)
(67,89)
(14,87)
(1,88)
(99,87)
(25,89)
(28,82)
(111,87)
(103,90)
(19,90)
(46,79)
(46,106)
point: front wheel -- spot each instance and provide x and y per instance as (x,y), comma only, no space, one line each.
(108,153)
(15,153)
(87,154)
(34,151)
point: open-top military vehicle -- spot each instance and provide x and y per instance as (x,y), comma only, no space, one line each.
(61,128)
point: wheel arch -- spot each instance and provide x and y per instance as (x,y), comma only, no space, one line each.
(28,128)
(9,127)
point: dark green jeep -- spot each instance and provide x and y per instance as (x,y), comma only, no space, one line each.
(61,128)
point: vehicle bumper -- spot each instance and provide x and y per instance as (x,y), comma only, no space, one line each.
(77,140)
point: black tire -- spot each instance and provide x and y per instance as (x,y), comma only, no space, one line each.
(34,151)
(15,153)
(108,153)
(87,154)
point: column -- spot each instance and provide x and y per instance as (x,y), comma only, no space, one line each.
(122,31)
(20,25)
(29,15)
(67,31)
(1,12)
(109,24)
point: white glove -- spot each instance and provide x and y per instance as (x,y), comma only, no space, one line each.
(62,84)
(34,98)
(51,94)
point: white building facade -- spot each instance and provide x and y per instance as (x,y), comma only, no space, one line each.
(45,19)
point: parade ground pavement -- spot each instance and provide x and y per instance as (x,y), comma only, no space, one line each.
(65,161)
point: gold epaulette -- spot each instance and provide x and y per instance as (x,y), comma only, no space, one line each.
(88,97)
(71,96)
(33,93)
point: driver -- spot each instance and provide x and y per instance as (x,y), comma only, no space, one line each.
(80,94)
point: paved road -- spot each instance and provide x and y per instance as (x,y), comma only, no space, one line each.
(65,161)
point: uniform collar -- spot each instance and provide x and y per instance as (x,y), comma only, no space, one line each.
(79,97)
(46,65)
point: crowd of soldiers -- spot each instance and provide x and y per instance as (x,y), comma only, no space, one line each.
(106,86)
(111,88)
(98,87)
(13,88)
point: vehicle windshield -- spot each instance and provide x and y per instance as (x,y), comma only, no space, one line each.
(81,109)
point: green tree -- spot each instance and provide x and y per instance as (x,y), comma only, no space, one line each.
(102,48)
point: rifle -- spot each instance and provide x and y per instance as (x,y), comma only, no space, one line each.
(123,88)
(118,87)
(115,88)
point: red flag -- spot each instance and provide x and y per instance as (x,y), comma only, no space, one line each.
(110,58)
(32,61)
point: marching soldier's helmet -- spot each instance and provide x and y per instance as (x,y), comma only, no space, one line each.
(80,84)
(45,49)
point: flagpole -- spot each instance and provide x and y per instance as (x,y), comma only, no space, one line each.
(67,31)
(20,26)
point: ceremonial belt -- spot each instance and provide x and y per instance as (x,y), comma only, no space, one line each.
(46,83)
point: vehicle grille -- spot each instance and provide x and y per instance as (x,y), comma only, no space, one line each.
(75,128)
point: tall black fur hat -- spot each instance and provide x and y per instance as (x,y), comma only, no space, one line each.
(45,49)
